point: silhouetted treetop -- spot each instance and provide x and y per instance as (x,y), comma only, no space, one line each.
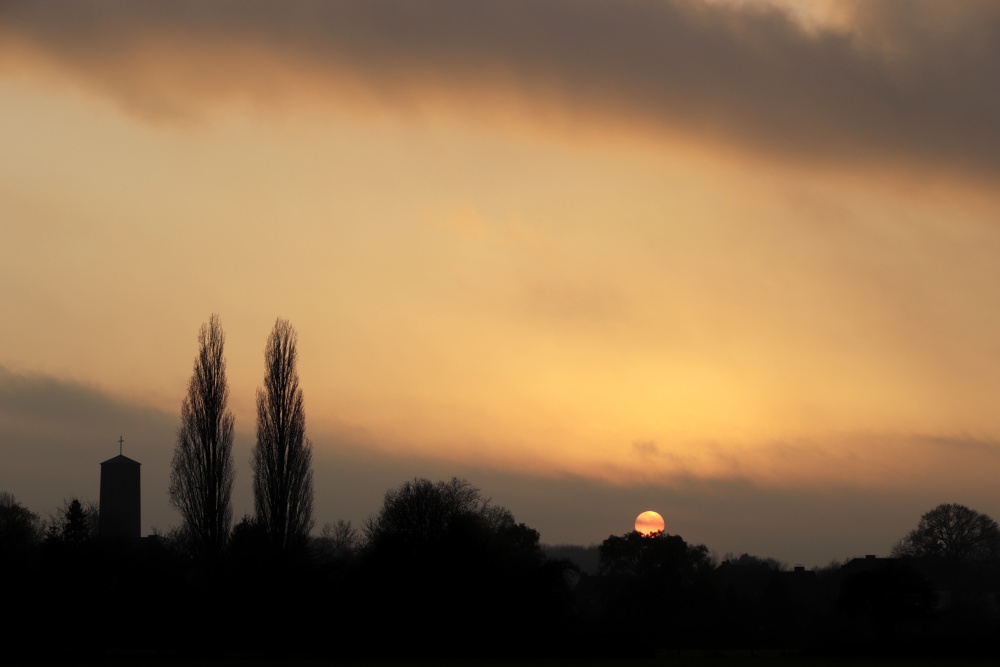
(337,540)
(635,554)
(20,528)
(74,524)
(953,533)
(421,513)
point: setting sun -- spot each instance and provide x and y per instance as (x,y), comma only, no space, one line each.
(649,522)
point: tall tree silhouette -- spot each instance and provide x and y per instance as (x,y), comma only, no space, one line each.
(282,458)
(201,478)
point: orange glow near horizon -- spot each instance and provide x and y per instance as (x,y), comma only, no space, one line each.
(532,333)
(488,275)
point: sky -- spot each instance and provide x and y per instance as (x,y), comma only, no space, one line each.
(731,261)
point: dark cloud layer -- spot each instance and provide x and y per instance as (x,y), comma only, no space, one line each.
(798,525)
(909,83)
(54,433)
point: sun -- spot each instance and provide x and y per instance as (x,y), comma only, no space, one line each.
(649,522)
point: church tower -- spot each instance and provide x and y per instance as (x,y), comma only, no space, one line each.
(120,516)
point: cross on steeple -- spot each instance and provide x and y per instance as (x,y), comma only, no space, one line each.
(121,441)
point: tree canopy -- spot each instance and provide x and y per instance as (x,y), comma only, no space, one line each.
(420,515)
(20,528)
(952,533)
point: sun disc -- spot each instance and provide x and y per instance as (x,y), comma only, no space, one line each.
(649,522)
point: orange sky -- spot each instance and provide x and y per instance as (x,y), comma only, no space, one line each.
(642,245)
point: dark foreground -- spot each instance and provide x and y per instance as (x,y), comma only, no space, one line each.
(689,658)
(439,585)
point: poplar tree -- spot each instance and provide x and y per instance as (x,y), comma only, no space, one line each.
(282,457)
(201,477)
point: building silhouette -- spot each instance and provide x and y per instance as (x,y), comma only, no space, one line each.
(120,516)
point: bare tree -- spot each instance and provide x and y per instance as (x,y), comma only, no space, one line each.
(282,458)
(954,533)
(338,540)
(420,514)
(201,479)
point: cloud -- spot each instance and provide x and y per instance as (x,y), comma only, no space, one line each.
(575,303)
(892,82)
(645,448)
(58,405)
(55,432)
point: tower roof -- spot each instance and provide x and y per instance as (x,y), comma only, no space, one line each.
(120,460)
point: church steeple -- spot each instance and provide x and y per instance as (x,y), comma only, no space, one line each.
(121,516)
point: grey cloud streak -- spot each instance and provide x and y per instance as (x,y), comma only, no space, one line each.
(54,433)
(912,82)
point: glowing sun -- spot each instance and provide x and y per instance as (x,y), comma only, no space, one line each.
(648,523)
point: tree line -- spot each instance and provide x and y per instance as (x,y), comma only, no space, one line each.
(440,570)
